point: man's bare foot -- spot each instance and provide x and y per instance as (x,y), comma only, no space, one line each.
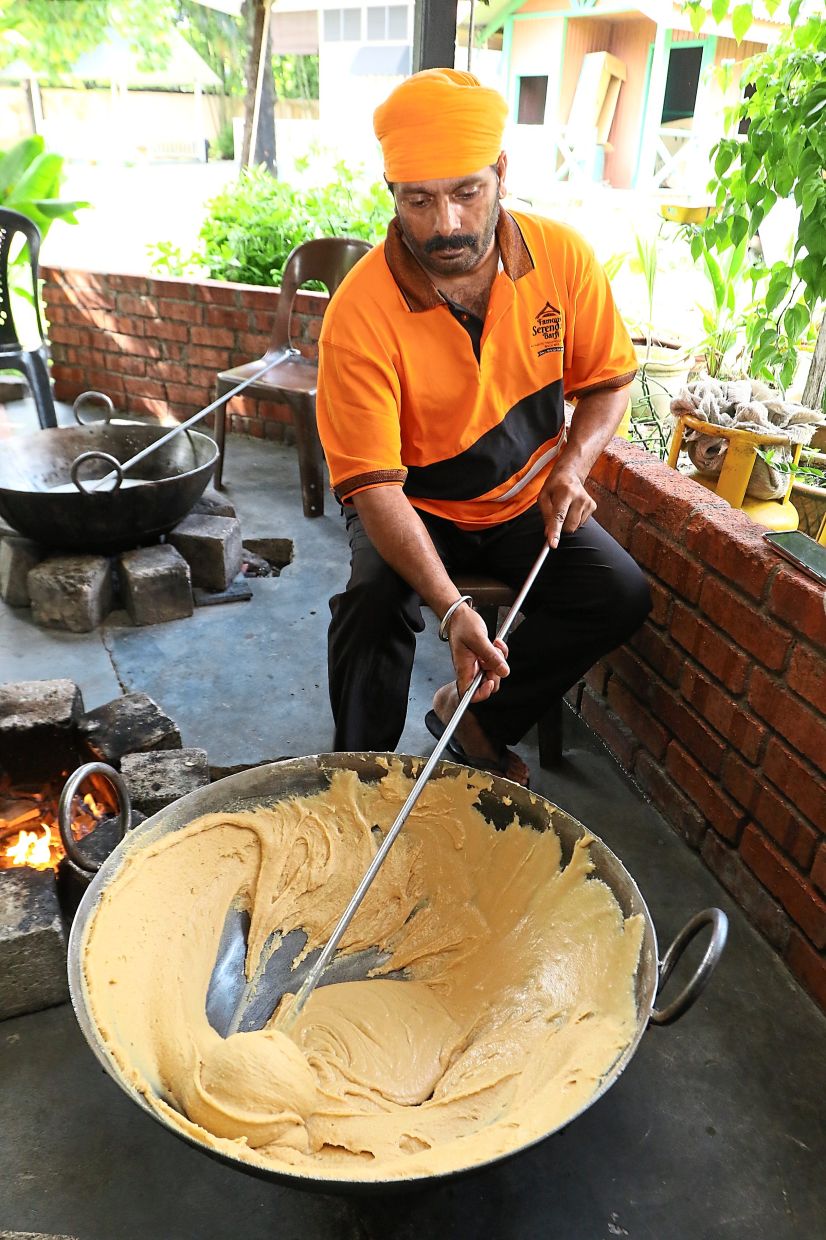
(471,736)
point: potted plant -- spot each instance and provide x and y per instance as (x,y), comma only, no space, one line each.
(664,366)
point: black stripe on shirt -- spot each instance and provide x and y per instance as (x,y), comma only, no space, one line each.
(500,453)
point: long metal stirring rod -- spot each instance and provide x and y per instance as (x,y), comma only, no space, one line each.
(311,980)
(184,426)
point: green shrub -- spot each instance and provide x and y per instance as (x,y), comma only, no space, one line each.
(223,146)
(251,228)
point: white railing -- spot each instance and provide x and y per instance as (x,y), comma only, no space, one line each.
(680,162)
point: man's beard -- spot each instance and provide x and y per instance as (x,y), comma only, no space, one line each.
(470,247)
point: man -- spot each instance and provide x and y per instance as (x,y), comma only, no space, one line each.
(444,360)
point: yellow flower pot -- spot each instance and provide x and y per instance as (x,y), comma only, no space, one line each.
(687,213)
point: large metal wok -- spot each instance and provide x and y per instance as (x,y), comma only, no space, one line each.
(267,785)
(146,502)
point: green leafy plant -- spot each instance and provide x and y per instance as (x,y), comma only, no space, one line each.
(653,387)
(52,35)
(803,470)
(251,228)
(613,264)
(30,181)
(295,76)
(782,155)
(646,264)
(725,321)
(223,146)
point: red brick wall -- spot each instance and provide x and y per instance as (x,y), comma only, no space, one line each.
(716,707)
(155,346)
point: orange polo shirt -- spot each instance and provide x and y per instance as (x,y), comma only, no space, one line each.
(404,400)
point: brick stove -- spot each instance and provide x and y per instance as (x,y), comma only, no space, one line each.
(202,561)
(45,734)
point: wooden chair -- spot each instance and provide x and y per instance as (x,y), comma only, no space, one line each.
(731,484)
(294,378)
(489,595)
(33,363)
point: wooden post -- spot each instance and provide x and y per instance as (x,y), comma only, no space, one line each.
(257,65)
(434,34)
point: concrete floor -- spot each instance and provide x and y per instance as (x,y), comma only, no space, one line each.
(715,1131)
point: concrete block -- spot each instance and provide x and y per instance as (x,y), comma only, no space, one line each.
(32,945)
(212,548)
(211,504)
(278,552)
(155,780)
(27,704)
(131,724)
(71,592)
(155,585)
(18,556)
(38,726)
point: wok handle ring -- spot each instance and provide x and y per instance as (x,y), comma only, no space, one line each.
(92,398)
(713,917)
(64,810)
(103,456)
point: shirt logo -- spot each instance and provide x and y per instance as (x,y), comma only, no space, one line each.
(546,331)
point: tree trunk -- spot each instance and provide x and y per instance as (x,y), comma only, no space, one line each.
(815,388)
(259,103)
(265,134)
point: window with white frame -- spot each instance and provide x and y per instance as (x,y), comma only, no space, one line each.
(342,25)
(387,23)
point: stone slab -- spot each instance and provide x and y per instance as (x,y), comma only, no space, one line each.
(156,585)
(72,592)
(211,504)
(38,726)
(18,556)
(27,704)
(32,943)
(236,592)
(212,548)
(134,723)
(278,552)
(155,780)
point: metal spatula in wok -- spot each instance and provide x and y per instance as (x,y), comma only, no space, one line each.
(238,1004)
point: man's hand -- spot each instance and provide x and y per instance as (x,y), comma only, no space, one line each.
(564,503)
(472,649)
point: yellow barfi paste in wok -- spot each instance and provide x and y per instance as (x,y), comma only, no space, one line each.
(519,998)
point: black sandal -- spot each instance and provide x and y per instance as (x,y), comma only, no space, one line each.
(497,766)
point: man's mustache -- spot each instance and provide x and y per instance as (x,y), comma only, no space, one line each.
(458,241)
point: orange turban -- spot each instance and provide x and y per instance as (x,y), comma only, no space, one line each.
(439,123)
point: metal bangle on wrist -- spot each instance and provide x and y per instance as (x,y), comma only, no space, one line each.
(444,627)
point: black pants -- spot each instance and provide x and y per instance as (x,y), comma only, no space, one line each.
(588,599)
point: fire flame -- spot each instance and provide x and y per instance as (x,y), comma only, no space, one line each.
(32,838)
(32,850)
